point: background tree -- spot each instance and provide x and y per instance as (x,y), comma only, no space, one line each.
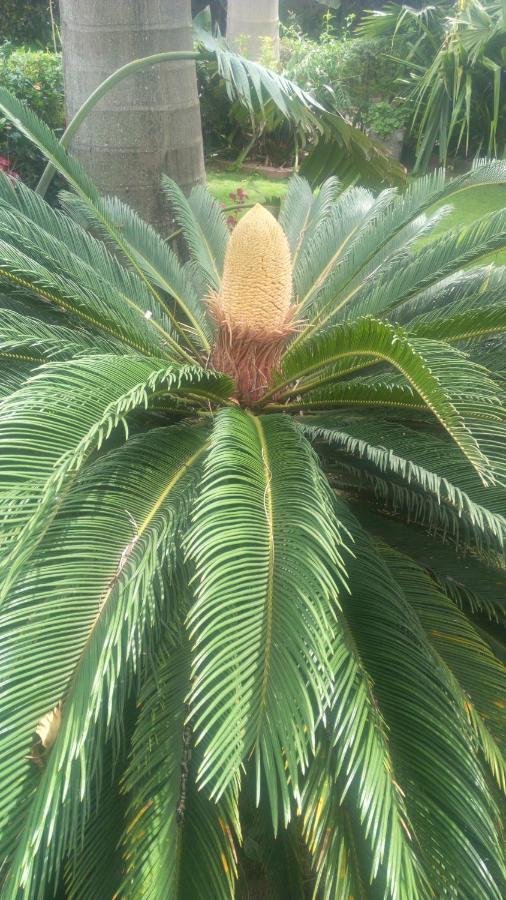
(28,21)
(151,122)
(254,27)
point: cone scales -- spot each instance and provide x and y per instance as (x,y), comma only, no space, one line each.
(252,309)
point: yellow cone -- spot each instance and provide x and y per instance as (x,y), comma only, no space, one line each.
(257,277)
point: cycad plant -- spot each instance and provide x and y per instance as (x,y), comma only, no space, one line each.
(252,524)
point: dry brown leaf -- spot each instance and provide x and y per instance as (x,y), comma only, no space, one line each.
(47,728)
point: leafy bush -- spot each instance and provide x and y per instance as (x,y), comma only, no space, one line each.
(383,118)
(358,72)
(36,77)
(315,64)
(314,16)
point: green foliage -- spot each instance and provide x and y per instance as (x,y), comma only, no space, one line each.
(272,101)
(238,99)
(359,71)
(456,68)
(35,76)
(27,21)
(209,605)
(383,118)
(316,17)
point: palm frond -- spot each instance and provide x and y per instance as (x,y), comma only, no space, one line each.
(463,288)
(374,243)
(53,240)
(375,391)
(13,372)
(399,285)
(271,866)
(262,621)
(340,871)
(22,269)
(413,458)
(460,574)
(94,866)
(92,603)
(112,216)
(434,370)
(472,324)
(178,843)
(103,390)
(28,123)
(344,150)
(353,769)
(204,228)
(149,254)
(331,238)
(349,154)
(479,679)
(428,731)
(301,213)
(38,340)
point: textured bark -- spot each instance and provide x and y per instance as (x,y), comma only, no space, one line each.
(253,27)
(150,123)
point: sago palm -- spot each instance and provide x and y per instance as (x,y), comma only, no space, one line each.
(252,524)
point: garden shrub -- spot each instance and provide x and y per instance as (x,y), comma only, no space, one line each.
(354,73)
(36,77)
(383,118)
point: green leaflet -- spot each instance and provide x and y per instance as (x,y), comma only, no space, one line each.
(31,338)
(479,682)
(405,457)
(103,390)
(259,594)
(427,729)
(352,771)
(169,826)
(377,391)
(106,289)
(151,257)
(116,587)
(434,370)
(357,262)
(94,865)
(204,228)
(140,245)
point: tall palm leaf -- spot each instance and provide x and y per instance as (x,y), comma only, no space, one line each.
(334,145)
(456,65)
(252,523)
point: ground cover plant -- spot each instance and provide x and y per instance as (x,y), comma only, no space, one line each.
(251,534)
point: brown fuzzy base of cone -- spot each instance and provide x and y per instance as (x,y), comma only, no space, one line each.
(249,357)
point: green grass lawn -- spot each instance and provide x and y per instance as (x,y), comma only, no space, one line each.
(468,205)
(260,188)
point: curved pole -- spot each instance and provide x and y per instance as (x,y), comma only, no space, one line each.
(125,71)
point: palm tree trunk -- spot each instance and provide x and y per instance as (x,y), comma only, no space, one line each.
(150,123)
(253,27)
